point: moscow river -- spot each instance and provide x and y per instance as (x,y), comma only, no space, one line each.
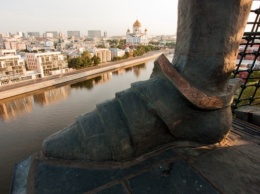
(26,120)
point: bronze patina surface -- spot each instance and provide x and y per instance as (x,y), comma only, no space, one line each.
(186,100)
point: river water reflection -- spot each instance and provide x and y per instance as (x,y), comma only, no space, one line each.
(27,119)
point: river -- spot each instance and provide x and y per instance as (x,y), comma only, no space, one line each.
(26,120)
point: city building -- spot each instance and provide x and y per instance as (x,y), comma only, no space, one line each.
(2,36)
(14,45)
(73,33)
(249,58)
(49,63)
(20,46)
(103,53)
(61,46)
(32,47)
(94,33)
(116,52)
(8,34)
(12,67)
(61,36)
(48,35)
(34,34)
(10,45)
(20,34)
(6,52)
(105,34)
(137,37)
(49,43)
(51,34)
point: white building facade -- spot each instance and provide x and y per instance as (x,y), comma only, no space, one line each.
(12,67)
(137,37)
(49,63)
(116,52)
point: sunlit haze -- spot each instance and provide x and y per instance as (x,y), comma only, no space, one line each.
(113,16)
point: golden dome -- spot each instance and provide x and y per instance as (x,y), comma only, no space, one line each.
(137,24)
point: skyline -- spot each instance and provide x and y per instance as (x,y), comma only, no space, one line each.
(111,16)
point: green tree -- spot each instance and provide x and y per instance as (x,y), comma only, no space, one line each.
(80,62)
(113,43)
(121,44)
(96,60)
(116,58)
(154,43)
(74,63)
(126,55)
(171,44)
(86,54)
(136,53)
(86,59)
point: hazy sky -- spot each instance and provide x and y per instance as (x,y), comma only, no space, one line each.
(113,16)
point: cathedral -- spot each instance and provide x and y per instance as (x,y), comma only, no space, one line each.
(137,37)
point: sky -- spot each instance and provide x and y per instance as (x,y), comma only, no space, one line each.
(112,16)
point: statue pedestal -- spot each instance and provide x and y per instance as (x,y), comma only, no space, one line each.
(184,167)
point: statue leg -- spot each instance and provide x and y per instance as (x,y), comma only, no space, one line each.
(186,100)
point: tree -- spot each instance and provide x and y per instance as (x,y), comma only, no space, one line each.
(86,54)
(126,55)
(96,60)
(121,44)
(74,63)
(171,44)
(85,60)
(113,43)
(154,43)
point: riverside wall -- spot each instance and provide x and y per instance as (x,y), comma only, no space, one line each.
(66,78)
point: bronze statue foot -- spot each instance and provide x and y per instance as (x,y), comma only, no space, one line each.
(186,100)
(150,114)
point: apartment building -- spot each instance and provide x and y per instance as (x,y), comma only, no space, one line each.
(12,67)
(116,52)
(73,33)
(14,45)
(34,34)
(6,52)
(50,34)
(49,63)
(94,33)
(105,34)
(103,54)
(10,45)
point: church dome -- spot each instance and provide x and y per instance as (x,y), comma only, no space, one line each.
(137,24)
